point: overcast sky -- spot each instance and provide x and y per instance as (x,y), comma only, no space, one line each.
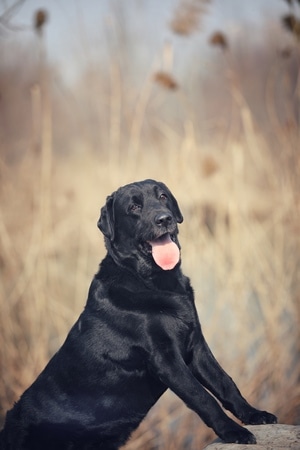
(80,25)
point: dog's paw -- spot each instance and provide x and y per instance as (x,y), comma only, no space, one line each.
(257,417)
(239,436)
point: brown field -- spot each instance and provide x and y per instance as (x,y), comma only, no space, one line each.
(226,144)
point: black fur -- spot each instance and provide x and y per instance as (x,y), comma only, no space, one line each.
(138,335)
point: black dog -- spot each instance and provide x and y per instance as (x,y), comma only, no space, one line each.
(138,335)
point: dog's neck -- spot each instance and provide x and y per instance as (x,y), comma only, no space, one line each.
(151,275)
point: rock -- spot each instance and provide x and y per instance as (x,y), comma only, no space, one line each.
(269,437)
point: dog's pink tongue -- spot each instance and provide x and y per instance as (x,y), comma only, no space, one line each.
(165,252)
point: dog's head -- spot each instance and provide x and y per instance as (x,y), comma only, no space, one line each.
(139,222)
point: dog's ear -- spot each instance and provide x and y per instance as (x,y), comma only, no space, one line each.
(175,208)
(106,222)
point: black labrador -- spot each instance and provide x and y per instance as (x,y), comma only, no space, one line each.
(138,335)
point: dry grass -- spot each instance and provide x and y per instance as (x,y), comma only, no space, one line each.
(239,194)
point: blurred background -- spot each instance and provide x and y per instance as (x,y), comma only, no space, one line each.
(203,95)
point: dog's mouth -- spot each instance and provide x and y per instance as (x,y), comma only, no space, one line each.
(165,251)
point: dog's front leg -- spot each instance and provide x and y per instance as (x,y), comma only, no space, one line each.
(171,369)
(208,371)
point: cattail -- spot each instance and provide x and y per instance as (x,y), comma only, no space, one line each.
(285,52)
(292,24)
(40,18)
(209,166)
(219,39)
(165,80)
(187,16)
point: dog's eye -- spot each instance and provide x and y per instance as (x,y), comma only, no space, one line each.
(163,197)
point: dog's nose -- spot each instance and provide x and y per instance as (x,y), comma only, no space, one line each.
(163,219)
